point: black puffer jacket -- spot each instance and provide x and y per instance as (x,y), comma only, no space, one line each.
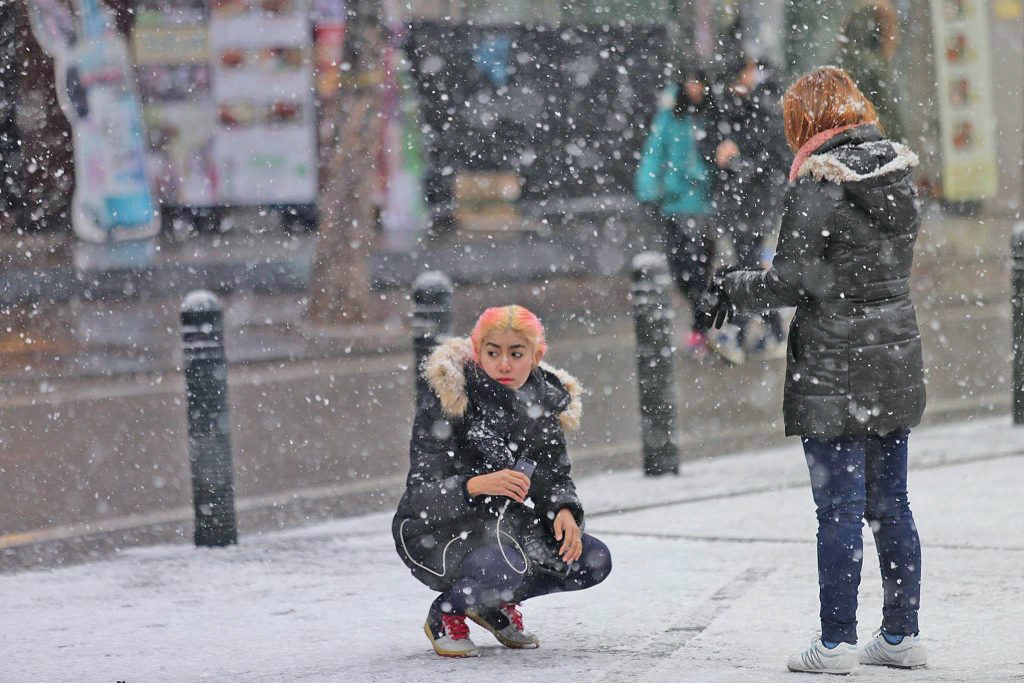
(747,190)
(471,424)
(843,259)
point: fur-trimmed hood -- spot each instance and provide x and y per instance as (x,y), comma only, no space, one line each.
(874,173)
(839,166)
(445,372)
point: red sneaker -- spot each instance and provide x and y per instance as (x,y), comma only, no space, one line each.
(696,344)
(506,623)
(449,635)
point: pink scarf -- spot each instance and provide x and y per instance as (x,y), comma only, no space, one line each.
(812,145)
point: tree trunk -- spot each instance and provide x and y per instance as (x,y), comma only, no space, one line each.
(340,286)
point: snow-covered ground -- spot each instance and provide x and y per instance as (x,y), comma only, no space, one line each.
(714,580)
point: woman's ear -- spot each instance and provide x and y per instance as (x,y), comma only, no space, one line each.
(538,356)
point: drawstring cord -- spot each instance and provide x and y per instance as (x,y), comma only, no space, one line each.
(463,536)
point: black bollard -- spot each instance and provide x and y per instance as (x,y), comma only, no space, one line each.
(209,428)
(431,318)
(1017,249)
(653,314)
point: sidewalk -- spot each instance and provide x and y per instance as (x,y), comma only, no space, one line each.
(714,580)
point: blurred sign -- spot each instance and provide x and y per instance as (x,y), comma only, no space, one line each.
(1008,10)
(96,91)
(265,144)
(966,118)
(229,95)
(172,61)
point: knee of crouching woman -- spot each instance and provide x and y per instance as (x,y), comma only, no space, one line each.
(596,559)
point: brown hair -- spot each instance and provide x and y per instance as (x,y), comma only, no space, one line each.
(823,99)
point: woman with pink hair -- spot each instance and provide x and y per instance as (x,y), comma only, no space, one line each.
(488,438)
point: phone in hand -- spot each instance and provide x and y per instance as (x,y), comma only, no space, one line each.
(526,466)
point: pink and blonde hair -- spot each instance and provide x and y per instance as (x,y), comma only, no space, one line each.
(512,318)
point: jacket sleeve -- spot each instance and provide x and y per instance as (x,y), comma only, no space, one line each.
(556,490)
(799,270)
(649,172)
(777,150)
(431,489)
(707,144)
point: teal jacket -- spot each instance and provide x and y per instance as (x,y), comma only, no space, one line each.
(672,172)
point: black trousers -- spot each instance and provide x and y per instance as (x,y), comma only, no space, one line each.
(690,248)
(747,235)
(485,579)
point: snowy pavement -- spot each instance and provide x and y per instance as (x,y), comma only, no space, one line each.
(714,579)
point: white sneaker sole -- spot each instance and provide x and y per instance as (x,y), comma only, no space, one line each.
(896,666)
(830,673)
(730,356)
(456,654)
(512,644)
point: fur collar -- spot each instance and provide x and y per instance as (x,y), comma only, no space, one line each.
(445,372)
(829,166)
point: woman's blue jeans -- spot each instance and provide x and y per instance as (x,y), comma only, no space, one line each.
(857,478)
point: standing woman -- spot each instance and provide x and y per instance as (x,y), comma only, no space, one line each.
(488,437)
(675,177)
(854,377)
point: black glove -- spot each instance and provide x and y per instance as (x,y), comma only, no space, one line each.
(714,308)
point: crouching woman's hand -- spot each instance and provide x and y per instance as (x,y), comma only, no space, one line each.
(508,483)
(568,532)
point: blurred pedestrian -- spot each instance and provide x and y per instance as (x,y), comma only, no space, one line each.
(747,142)
(866,48)
(854,377)
(676,180)
(488,436)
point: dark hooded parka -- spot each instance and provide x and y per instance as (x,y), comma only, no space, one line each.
(747,190)
(469,424)
(843,259)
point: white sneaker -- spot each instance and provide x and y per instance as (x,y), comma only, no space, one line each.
(512,634)
(909,654)
(449,635)
(725,343)
(818,659)
(769,347)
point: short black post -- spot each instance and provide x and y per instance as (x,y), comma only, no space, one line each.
(431,318)
(1017,249)
(653,314)
(209,425)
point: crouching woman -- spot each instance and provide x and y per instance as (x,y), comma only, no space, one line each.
(490,516)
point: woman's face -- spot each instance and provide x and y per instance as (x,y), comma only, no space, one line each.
(508,358)
(695,91)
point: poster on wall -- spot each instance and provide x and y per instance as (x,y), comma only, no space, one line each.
(227,87)
(263,91)
(112,200)
(169,43)
(966,116)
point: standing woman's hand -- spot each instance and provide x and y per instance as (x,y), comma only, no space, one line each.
(725,153)
(568,532)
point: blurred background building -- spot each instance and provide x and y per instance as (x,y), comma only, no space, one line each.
(498,115)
